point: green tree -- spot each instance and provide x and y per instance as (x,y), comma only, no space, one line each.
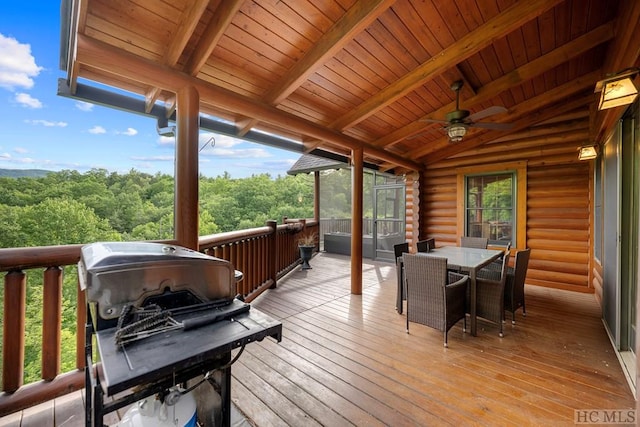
(52,222)
(68,207)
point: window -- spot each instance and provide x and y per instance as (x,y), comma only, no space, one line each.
(489,207)
(493,202)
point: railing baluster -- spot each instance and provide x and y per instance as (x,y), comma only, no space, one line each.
(51,322)
(242,247)
(247,282)
(15,295)
(263,259)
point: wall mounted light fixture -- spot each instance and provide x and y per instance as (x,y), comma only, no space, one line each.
(618,89)
(587,152)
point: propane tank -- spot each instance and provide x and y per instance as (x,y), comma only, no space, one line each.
(177,410)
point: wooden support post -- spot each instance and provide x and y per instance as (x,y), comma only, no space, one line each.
(357,182)
(15,295)
(186,168)
(51,322)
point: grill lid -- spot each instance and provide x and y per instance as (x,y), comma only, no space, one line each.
(115,274)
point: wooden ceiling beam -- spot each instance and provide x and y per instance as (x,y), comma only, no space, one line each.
(518,150)
(468,45)
(119,62)
(311,145)
(212,34)
(496,148)
(186,26)
(353,22)
(514,78)
(542,130)
(573,115)
(559,153)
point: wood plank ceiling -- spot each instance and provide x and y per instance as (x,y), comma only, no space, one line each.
(344,74)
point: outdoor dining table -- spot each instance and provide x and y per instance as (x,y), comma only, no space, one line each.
(470,261)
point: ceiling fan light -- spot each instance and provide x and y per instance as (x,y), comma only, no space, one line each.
(456,131)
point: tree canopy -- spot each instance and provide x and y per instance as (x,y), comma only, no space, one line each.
(69,207)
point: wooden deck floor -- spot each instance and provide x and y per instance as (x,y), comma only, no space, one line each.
(347,360)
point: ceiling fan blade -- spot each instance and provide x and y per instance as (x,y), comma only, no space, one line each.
(487,112)
(494,126)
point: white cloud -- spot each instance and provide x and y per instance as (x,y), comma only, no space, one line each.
(25,160)
(128,132)
(243,153)
(152,158)
(46,123)
(17,65)
(220,146)
(166,140)
(84,106)
(41,163)
(279,164)
(222,141)
(28,101)
(96,130)
(20,150)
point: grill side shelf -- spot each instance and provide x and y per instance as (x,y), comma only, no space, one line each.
(162,355)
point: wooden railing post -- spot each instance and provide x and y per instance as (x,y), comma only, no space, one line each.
(15,295)
(303,222)
(272,256)
(51,322)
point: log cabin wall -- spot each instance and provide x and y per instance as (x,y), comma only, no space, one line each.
(558,199)
(412,208)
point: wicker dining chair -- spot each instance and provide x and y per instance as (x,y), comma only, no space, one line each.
(514,287)
(426,245)
(398,250)
(490,286)
(435,296)
(506,247)
(474,242)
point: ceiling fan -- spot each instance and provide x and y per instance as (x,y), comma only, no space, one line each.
(457,121)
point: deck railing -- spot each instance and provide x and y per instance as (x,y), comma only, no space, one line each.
(262,254)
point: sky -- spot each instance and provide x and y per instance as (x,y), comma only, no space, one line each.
(41,130)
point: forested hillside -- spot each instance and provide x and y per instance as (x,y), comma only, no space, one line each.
(19,173)
(69,207)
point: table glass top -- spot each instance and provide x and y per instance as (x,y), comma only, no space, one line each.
(465,257)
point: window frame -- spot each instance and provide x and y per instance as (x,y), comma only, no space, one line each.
(519,170)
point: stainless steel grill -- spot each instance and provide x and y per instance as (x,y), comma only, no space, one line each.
(198,321)
(118,274)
